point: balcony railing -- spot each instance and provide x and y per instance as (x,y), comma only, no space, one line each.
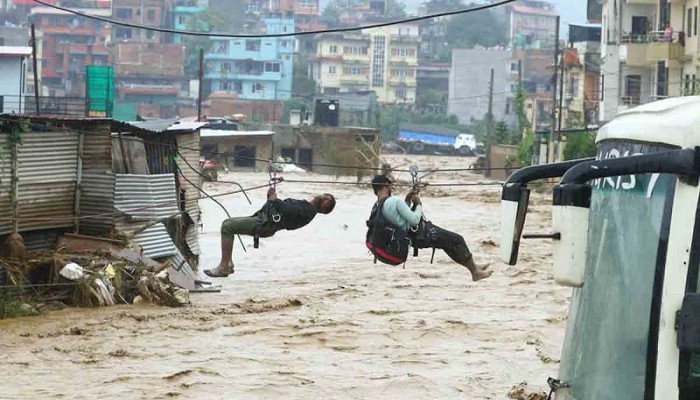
(654,37)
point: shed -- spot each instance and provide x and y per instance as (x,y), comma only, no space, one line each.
(241,149)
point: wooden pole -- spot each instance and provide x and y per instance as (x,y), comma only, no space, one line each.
(36,72)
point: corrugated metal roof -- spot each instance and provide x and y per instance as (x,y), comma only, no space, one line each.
(47,171)
(187,145)
(97,198)
(163,125)
(156,242)
(213,133)
(192,239)
(132,192)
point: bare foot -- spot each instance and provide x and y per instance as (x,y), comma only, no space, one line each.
(479,275)
(219,271)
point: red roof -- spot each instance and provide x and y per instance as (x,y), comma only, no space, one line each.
(520,9)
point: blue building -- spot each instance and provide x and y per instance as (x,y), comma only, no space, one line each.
(185,16)
(256,69)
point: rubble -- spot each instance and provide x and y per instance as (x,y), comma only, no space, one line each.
(89,272)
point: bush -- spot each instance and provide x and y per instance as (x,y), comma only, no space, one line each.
(580,145)
(526,150)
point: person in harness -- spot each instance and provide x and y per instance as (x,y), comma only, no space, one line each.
(274,216)
(405,224)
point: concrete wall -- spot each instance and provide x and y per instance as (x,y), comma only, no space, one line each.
(263,149)
(12,83)
(331,145)
(469,80)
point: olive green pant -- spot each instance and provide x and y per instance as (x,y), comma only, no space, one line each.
(244,226)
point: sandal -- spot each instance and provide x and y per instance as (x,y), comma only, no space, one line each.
(212,274)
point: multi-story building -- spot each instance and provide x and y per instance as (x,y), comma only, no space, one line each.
(142,12)
(19,36)
(254,68)
(343,62)
(394,61)
(69,43)
(13,65)
(648,50)
(185,15)
(532,24)
(581,77)
(469,85)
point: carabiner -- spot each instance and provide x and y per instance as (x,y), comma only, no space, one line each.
(276,218)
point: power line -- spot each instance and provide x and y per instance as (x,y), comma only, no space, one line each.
(274,35)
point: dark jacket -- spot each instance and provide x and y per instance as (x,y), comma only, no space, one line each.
(294,213)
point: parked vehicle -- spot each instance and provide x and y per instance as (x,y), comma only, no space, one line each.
(428,139)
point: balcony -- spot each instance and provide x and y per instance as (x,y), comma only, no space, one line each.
(405,38)
(402,81)
(354,79)
(244,76)
(399,60)
(646,50)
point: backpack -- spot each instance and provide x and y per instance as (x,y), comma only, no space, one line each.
(388,242)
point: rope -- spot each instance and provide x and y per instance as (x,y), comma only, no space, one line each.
(205,177)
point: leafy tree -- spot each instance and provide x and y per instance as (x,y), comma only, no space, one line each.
(431,100)
(302,83)
(294,103)
(475,28)
(331,14)
(394,9)
(580,145)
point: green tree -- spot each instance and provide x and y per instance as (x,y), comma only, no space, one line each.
(294,103)
(302,84)
(431,100)
(475,28)
(331,14)
(579,145)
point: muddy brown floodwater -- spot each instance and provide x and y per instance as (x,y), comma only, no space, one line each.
(308,315)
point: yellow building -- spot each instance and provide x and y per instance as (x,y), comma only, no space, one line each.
(383,60)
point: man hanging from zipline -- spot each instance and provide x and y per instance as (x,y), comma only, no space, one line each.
(274,216)
(398,226)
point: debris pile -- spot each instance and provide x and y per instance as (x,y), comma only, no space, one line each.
(90,272)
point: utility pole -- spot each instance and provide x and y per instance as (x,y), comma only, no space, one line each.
(553,136)
(489,116)
(36,72)
(561,97)
(201,84)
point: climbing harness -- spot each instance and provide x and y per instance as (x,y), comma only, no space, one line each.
(268,210)
(428,228)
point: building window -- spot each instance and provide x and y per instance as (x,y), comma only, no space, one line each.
(402,52)
(514,67)
(689,23)
(181,20)
(220,47)
(352,71)
(226,67)
(123,33)
(258,87)
(124,13)
(252,45)
(331,69)
(149,35)
(333,49)
(151,15)
(400,93)
(355,50)
(573,86)
(272,67)
(695,28)
(633,89)
(509,106)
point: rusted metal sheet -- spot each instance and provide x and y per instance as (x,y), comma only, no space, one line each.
(187,145)
(157,192)
(97,199)
(156,242)
(97,149)
(47,171)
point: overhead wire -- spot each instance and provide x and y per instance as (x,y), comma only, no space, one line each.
(274,35)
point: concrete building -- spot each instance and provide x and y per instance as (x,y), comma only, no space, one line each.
(641,59)
(20,36)
(343,62)
(149,78)
(142,12)
(394,61)
(433,76)
(469,84)
(68,44)
(254,68)
(185,16)
(581,72)
(356,108)
(12,78)
(532,24)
